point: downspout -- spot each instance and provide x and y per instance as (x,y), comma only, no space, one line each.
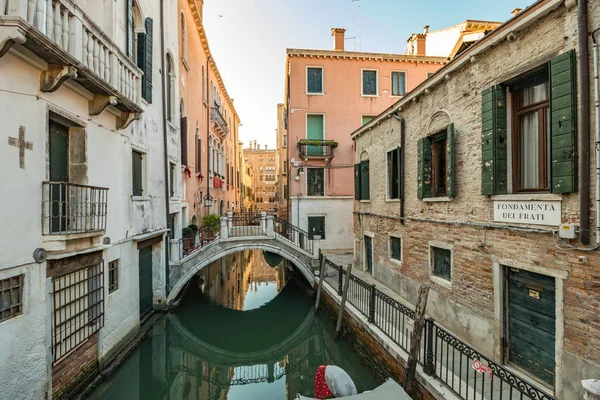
(584,113)
(597,129)
(165,140)
(401,162)
(208,171)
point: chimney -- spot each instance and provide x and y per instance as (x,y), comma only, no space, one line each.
(255,145)
(338,38)
(426,29)
(265,146)
(421,42)
(516,11)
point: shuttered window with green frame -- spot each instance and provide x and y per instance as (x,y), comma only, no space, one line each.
(144,61)
(137,173)
(357,181)
(365,191)
(441,169)
(493,141)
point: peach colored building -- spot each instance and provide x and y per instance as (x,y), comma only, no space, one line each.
(328,94)
(209,124)
(263,162)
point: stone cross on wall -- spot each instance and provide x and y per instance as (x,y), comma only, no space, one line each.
(22,144)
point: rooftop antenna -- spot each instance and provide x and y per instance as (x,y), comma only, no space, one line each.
(359,38)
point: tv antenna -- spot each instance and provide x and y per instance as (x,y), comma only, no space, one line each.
(359,39)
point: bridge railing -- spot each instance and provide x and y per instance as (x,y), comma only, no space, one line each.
(294,234)
(196,240)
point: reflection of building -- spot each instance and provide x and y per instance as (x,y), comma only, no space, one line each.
(264,164)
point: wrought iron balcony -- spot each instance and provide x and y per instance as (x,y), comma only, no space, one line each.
(69,208)
(219,122)
(60,33)
(309,148)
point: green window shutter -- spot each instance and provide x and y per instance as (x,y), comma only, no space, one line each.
(136,161)
(129,30)
(364,181)
(563,98)
(494,172)
(357,181)
(144,62)
(424,168)
(450,163)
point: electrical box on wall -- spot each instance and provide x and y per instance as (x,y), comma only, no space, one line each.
(567,231)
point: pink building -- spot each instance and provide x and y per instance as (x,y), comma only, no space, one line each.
(328,94)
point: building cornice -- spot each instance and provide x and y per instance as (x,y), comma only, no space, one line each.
(362,56)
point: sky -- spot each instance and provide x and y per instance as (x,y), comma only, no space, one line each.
(249,38)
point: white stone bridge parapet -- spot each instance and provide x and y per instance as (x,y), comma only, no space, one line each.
(240,233)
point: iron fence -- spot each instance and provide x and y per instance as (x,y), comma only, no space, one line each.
(246,225)
(198,239)
(69,208)
(293,234)
(316,148)
(462,369)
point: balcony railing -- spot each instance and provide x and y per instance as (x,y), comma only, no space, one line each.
(59,32)
(316,148)
(69,208)
(219,122)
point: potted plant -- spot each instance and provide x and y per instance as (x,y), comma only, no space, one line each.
(189,239)
(211,224)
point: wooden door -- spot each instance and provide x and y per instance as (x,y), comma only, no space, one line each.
(369,253)
(314,131)
(145,277)
(531,323)
(59,172)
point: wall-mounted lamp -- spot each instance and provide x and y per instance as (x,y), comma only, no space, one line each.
(301,171)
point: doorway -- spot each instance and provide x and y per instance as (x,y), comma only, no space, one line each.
(145,277)
(59,173)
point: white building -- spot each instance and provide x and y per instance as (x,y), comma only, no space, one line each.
(85,183)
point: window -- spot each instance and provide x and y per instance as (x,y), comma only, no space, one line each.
(314,80)
(367,118)
(369,82)
(398,83)
(315,131)
(316,227)
(170,77)
(183,38)
(284,140)
(531,120)
(436,165)
(137,173)
(11,297)
(441,262)
(144,59)
(113,276)
(78,299)
(198,153)
(315,182)
(395,248)
(361,180)
(171,225)
(172,179)
(393,173)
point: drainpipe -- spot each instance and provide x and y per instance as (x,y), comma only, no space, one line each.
(165,140)
(208,135)
(584,113)
(597,114)
(401,161)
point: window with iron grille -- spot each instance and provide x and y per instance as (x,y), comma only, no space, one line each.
(11,297)
(78,308)
(441,260)
(393,173)
(316,227)
(395,248)
(113,276)
(315,182)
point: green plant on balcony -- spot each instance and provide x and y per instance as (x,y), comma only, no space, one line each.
(211,223)
(312,142)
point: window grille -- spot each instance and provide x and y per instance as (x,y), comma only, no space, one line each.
(369,83)
(315,182)
(78,308)
(11,297)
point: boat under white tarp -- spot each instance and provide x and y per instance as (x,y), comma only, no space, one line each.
(389,390)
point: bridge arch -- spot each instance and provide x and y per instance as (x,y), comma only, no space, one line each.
(221,249)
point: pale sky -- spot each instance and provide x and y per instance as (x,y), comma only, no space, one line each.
(248,39)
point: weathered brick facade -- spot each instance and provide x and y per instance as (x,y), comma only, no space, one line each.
(471,305)
(76,370)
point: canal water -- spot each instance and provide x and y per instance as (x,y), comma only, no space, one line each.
(244,330)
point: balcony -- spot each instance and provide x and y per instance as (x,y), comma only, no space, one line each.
(309,148)
(72,209)
(219,122)
(60,33)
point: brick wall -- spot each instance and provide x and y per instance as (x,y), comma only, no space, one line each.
(472,305)
(75,371)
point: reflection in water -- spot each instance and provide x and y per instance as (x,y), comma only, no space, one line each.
(242,331)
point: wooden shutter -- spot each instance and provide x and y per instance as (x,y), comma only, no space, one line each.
(357,181)
(494,170)
(563,98)
(450,162)
(198,155)
(184,142)
(424,168)
(144,61)
(136,161)
(129,30)
(364,180)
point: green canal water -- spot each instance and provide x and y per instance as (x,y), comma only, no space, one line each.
(244,330)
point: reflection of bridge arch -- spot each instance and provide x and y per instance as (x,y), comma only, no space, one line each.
(183,273)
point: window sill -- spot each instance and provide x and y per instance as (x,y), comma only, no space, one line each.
(528,197)
(441,282)
(140,198)
(315,94)
(392,200)
(396,262)
(399,96)
(369,95)
(440,199)
(365,201)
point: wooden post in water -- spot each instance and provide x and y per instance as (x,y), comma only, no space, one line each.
(323,259)
(338,327)
(410,384)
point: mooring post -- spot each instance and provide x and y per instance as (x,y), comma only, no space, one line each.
(372,304)
(321,277)
(338,328)
(410,385)
(340,279)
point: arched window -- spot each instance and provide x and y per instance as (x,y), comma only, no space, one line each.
(135,25)
(170,77)
(183,38)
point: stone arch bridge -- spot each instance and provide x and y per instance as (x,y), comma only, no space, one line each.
(240,232)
